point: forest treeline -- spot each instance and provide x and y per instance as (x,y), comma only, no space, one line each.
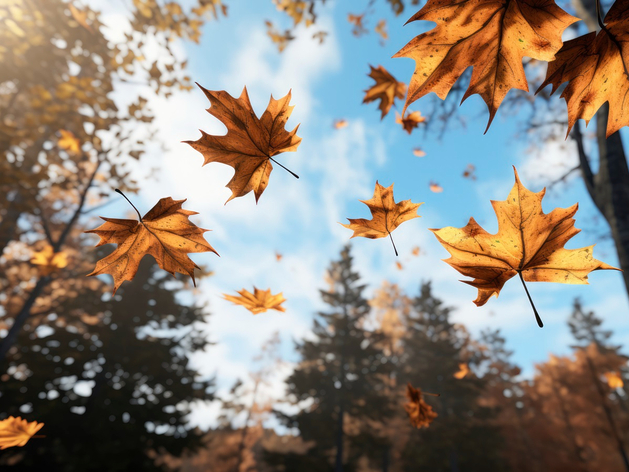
(114,388)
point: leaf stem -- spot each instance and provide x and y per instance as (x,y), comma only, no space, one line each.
(537,318)
(394,248)
(598,14)
(136,210)
(286,169)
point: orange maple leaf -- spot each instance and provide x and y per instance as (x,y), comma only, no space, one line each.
(597,69)
(250,143)
(257,302)
(420,413)
(492,37)
(463,371)
(418,152)
(165,233)
(435,187)
(49,261)
(381,29)
(15,432)
(529,243)
(386,215)
(410,121)
(69,142)
(339,124)
(614,380)
(386,89)
(80,16)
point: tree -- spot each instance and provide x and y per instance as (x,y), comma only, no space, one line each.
(341,377)
(115,390)
(462,437)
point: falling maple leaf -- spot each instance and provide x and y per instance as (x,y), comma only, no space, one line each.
(357,21)
(493,38)
(470,172)
(381,30)
(614,380)
(411,121)
(596,65)
(15,432)
(463,371)
(399,265)
(80,16)
(280,39)
(435,187)
(320,36)
(278,257)
(529,243)
(386,215)
(386,89)
(250,143)
(415,251)
(420,413)
(257,302)
(339,124)
(69,142)
(165,233)
(49,261)
(418,152)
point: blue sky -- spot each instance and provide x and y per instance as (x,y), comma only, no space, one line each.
(299,218)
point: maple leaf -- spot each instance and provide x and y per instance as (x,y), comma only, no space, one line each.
(49,261)
(250,143)
(463,371)
(435,187)
(339,124)
(410,121)
(69,142)
(257,302)
(278,256)
(280,39)
(597,69)
(529,243)
(493,37)
(415,251)
(399,266)
(614,380)
(418,152)
(15,432)
(80,16)
(470,172)
(420,413)
(386,89)
(381,30)
(386,215)
(357,21)
(165,233)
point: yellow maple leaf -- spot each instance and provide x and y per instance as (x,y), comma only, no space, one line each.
(386,215)
(69,142)
(493,38)
(165,233)
(410,121)
(49,261)
(250,143)
(257,302)
(529,243)
(15,432)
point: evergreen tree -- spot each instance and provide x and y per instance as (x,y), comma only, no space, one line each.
(342,377)
(586,327)
(115,391)
(462,437)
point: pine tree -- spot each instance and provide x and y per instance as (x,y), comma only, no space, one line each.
(586,327)
(114,392)
(342,376)
(462,437)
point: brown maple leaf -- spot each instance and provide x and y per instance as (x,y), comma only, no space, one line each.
(597,69)
(529,243)
(357,21)
(470,172)
(381,30)
(410,121)
(165,233)
(250,143)
(80,16)
(386,215)
(493,37)
(257,302)
(15,432)
(420,413)
(386,89)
